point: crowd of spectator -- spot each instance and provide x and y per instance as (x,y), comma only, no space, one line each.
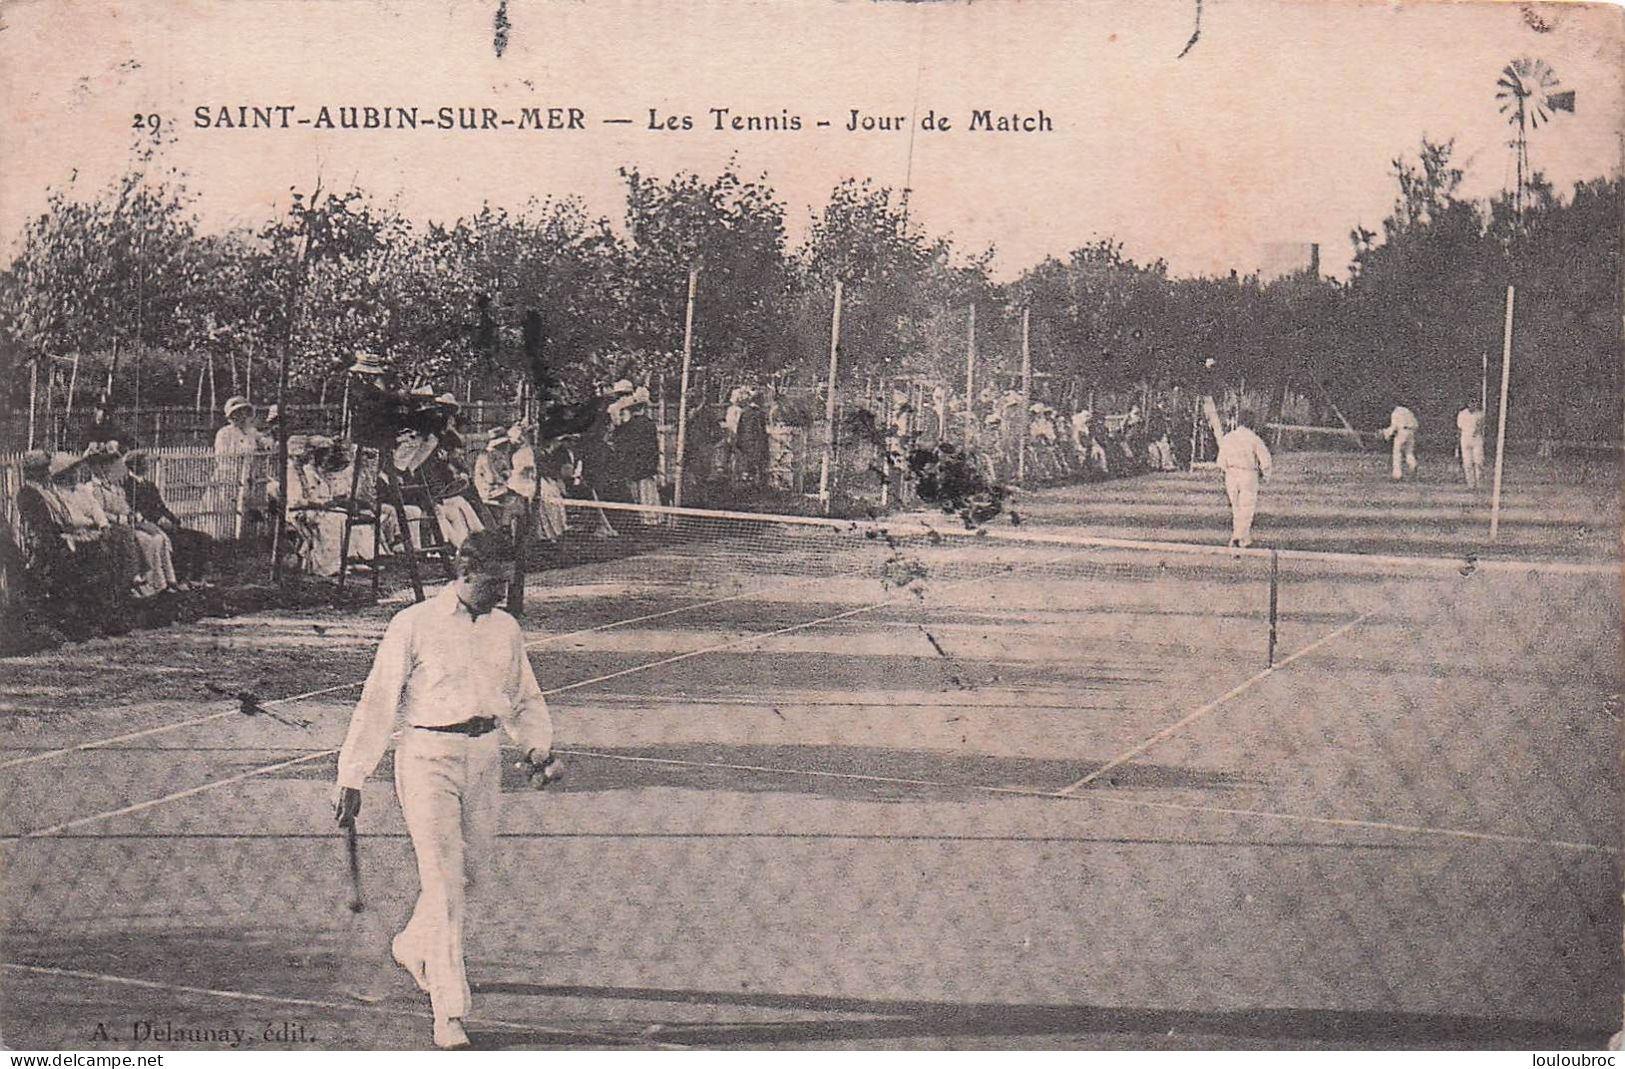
(1011,440)
(97,536)
(97,530)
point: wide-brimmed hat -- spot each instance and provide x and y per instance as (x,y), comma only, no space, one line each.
(449,401)
(62,463)
(367,364)
(236,404)
(621,386)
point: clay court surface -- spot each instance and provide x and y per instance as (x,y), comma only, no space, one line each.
(829,789)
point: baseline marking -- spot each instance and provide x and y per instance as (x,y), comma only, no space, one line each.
(1201,711)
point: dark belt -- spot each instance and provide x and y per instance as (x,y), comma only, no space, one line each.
(473,727)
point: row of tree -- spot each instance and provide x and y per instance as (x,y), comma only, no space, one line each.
(128,273)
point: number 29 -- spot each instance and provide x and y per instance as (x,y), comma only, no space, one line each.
(149,121)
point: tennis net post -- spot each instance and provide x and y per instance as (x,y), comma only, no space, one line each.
(1275,589)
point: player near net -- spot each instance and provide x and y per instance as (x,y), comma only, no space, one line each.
(449,672)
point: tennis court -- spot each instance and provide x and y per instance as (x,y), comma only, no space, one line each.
(898,784)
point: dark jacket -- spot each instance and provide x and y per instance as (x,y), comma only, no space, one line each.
(637,448)
(147,502)
(751,438)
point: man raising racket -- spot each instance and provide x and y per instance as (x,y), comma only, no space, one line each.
(450,670)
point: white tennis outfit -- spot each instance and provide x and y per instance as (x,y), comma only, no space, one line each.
(1401,428)
(1243,457)
(438,665)
(1471,426)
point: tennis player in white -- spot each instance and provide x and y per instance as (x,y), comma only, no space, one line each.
(1470,422)
(450,670)
(1245,461)
(1402,426)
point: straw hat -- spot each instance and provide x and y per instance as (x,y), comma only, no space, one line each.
(367,364)
(449,401)
(236,404)
(62,463)
(621,386)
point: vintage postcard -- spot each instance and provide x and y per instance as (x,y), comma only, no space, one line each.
(961,525)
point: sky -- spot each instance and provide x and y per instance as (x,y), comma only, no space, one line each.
(1279,125)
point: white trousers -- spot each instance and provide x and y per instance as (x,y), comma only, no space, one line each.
(1472,460)
(448,786)
(646,492)
(159,557)
(1404,449)
(1241,486)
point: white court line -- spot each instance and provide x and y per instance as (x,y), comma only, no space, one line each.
(97,744)
(175,797)
(1098,796)
(319,754)
(1350,822)
(1201,711)
(285,1000)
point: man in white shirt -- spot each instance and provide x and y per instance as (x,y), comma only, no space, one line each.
(1402,429)
(450,670)
(1245,460)
(1470,422)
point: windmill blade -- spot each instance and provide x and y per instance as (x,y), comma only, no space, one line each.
(1510,82)
(1563,101)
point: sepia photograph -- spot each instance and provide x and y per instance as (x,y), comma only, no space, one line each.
(958,525)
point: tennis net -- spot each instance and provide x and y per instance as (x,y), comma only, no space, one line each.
(917,559)
(1182,595)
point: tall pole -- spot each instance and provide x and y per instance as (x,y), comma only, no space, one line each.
(970,378)
(280,514)
(73,387)
(1484,380)
(1026,396)
(682,388)
(829,402)
(33,393)
(1501,422)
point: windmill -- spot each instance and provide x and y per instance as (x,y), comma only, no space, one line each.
(1529,96)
